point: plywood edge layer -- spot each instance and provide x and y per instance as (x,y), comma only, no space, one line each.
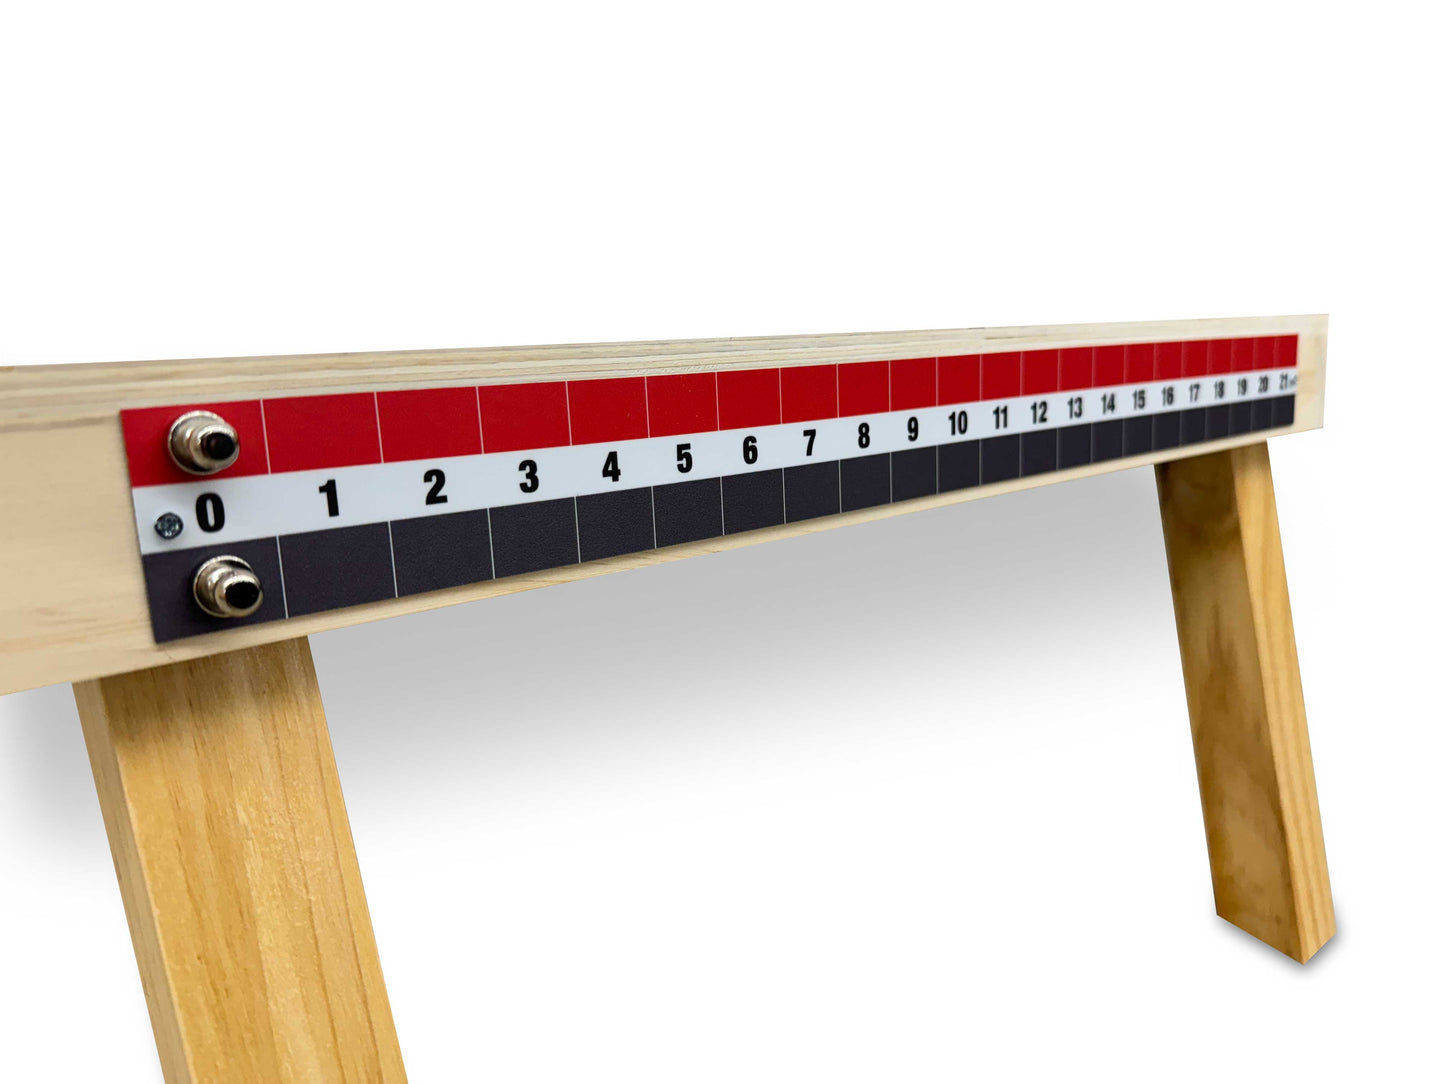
(49,393)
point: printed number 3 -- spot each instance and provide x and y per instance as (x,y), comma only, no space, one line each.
(528,467)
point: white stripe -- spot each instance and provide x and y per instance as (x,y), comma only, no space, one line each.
(259,506)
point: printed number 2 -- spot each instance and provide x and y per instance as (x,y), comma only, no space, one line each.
(437,479)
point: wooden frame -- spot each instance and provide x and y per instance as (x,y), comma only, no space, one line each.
(72,603)
(211,755)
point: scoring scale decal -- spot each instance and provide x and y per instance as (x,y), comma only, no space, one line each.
(339,500)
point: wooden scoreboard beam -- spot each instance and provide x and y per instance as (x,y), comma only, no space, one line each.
(172,531)
(73,604)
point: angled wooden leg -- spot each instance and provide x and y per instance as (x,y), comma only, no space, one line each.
(1246,706)
(221,800)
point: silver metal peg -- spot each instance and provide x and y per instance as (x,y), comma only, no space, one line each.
(203,443)
(227,587)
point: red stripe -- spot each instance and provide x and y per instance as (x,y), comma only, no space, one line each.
(1002,375)
(1108,366)
(960,378)
(1041,372)
(428,423)
(516,417)
(1076,368)
(606,410)
(1266,354)
(810,392)
(146,432)
(913,383)
(685,403)
(312,432)
(748,397)
(1169,361)
(1217,352)
(1138,363)
(862,388)
(1196,358)
(321,431)
(1288,351)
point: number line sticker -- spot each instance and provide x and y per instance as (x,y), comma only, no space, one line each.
(367,496)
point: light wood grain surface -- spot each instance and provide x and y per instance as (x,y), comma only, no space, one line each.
(1246,705)
(236,865)
(72,603)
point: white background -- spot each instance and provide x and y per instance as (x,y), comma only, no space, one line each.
(912,801)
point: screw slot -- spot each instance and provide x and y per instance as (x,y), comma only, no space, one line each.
(203,443)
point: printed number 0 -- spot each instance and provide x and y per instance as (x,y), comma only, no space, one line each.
(528,467)
(210,512)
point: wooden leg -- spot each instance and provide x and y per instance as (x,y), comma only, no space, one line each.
(1246,707)
(235,860)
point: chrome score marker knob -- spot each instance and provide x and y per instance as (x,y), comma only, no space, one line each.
(203,443)
(227,587)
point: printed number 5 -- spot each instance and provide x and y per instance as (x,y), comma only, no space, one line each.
(684,458)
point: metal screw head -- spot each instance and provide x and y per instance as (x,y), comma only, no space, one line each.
(203,443)
(168,525)
(227,586)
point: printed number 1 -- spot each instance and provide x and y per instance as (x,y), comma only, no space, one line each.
(333,506)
